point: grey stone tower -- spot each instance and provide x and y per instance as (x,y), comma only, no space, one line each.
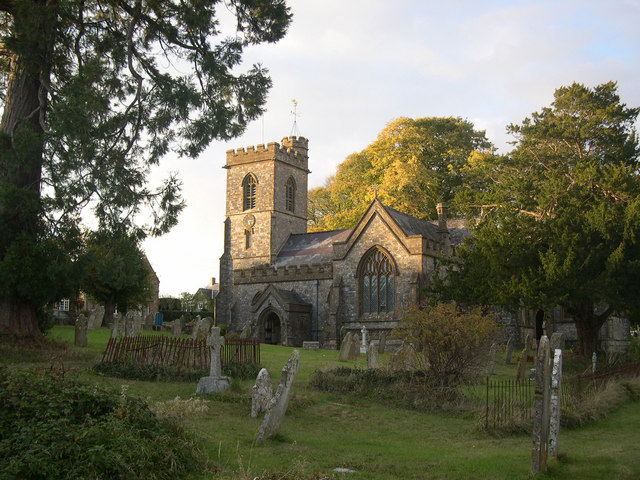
(266,202)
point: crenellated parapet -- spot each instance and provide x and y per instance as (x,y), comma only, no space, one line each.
(270,274)
(292,150)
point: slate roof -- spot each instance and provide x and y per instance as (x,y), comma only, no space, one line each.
(412,225)
(309,248)
(289,296)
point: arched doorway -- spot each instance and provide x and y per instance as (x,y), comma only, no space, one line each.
(272,329)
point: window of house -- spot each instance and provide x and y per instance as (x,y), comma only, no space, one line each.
(249,192)
(377,282)
(63,305)
(247,239)
(290,194)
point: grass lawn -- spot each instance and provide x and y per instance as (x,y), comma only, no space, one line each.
(322,432)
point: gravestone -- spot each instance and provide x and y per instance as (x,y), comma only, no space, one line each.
(195,332)
(403,359)
(354,348)
(148,321)
(508,352)
(522,363)
(363,345)
(129,324)
(278,404)
(176,327)
(372,356)
(345,346)
(96,316)
(137,323)
(204,326)
(245,333)
(310,345)
(82,325)
(383,342)
(262,393)
(117,328)
(491,363)
(215,382)
(557,341)
(541,408)
(556,392)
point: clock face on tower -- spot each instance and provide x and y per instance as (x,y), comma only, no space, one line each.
(249,221)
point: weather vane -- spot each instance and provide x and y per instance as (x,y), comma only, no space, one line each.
(294,112)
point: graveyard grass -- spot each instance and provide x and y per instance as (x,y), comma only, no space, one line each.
(325,431)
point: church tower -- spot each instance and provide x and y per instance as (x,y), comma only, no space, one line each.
(266,202)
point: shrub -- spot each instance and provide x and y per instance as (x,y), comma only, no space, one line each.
(55,427)
(451,341)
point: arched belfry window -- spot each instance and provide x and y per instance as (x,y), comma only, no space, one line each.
(377,281)
(249,185)
(290,195)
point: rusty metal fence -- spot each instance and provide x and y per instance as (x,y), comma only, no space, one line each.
(183,353)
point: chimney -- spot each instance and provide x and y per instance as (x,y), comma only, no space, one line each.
(442,217)
(212,282)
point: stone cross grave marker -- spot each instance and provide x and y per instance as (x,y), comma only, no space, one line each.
(541,408)
(372,355)
(522,363)
(215,382)
(345,346)
(261,393)
(82,325)
(492,359)
(363,345)
(278,404)
(556,392)
(508,352)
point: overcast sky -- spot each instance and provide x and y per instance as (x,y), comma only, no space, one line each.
(354,65)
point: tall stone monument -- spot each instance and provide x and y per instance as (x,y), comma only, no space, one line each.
(556,392)
(215,382)
(541,408)
(82,326)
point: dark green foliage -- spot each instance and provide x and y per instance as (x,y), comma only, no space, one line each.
(559,217)
(54,427)
(413,389)
(163,373)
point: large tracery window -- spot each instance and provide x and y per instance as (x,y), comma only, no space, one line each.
(377,283)
(290,194)
(249,192)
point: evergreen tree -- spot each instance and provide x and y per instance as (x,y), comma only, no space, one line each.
(93,95)
(559,218)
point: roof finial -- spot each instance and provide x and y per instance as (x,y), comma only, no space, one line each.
(375,187)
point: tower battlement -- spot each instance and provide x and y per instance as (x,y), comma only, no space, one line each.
(292,150)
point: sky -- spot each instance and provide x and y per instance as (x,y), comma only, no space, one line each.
(354,65)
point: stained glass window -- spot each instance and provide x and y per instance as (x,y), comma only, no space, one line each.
(377,283)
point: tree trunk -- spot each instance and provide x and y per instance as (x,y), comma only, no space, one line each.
(109,309)
(588,326)
(21,149)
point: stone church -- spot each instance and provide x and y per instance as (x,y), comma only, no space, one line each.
(288,286)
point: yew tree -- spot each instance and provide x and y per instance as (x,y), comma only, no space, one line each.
(559,217)
(414,164)
(94,93)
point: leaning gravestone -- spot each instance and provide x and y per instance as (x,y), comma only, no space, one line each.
(345,347)
(215,382)
(137,323)
(522,363)
(278,404)
(96,316)
(81,331)
(492,359)
(557,341)
(372,355)
(261,394)
(556,392)
(508,352)
(148,321)
(541,408)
